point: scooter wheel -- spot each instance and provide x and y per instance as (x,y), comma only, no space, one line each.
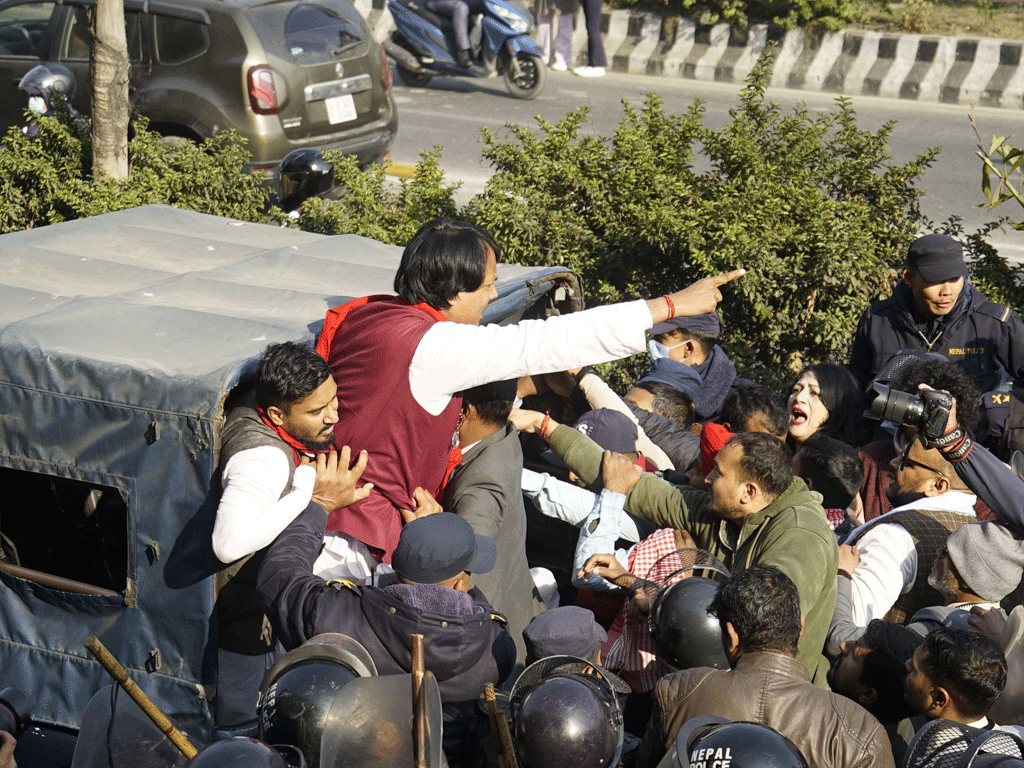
(412,78)
(524,75)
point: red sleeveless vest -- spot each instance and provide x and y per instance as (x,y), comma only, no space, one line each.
(369,345)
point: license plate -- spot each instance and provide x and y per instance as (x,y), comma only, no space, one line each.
(341,109)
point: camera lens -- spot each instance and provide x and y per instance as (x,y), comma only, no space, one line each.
(14,707)
(900,407)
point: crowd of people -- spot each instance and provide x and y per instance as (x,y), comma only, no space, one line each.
(848,579)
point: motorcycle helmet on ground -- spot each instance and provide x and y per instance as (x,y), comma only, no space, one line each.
(297,693)
(565,712)
(707,742)
(685,634)
(241,752)
(305,173)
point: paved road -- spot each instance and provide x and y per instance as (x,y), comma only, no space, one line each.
(451,112)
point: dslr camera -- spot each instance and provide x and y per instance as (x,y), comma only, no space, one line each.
(927,410)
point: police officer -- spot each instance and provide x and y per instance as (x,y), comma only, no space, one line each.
(935,308)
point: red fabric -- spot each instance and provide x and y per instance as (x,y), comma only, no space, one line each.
(835,517)
(298,449)
(712,438)
(374,340)
(631,645)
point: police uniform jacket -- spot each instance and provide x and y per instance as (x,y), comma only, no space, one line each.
(979,335)
(464,651)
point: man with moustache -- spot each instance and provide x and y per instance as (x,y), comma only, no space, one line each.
(274,460)
(884,566)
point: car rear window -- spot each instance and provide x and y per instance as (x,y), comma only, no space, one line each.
(179,40)
(309,32)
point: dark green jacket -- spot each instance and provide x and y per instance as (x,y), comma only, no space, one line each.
(790,533)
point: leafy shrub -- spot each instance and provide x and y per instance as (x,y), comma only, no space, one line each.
(47,178)
(372,205)
(788,14)
(811,206)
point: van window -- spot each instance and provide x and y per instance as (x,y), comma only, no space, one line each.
(64,528)
(23,29)
(308,32)
(80,37)
(178,40)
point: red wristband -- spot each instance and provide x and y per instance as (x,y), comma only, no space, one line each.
(544,425)
(671,306)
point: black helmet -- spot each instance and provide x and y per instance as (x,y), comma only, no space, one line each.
(304,174)
(684,633)
(238,752)
(955,745)
(707,741)
(297,693)
(563,715)
(48,80)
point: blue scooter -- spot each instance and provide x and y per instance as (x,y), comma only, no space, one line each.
(423,45)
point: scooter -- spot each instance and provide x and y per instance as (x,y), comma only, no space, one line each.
(423,45)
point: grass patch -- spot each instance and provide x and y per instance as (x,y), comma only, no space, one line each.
(945,17)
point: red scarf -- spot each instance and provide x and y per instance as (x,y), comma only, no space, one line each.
(332,322)
(298,449)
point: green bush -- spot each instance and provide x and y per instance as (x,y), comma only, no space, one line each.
(811,206)
(370,204)
(47,178)
(788,14)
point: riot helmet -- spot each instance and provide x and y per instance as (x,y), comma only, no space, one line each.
(238,752)
(685,634)
(956,745)
(304,174)
(704,742)
(297,693)
(565,712)
(46,81)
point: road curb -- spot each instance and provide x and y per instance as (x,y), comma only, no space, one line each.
(927,68)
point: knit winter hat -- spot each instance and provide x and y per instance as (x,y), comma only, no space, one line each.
(988,558)
(712,438)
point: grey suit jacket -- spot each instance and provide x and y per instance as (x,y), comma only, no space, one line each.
(485,489)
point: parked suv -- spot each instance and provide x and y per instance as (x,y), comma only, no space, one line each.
(284,74)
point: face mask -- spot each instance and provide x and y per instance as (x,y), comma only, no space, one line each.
(659,351)
(37,104)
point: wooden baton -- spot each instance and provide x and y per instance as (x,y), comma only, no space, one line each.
(419,704)
(116,671)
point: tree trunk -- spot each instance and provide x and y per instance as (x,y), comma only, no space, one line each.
(110,107)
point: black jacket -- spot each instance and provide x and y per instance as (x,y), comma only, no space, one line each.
(464,651)
(982,337)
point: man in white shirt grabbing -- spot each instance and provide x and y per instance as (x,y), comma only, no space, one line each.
(276,458)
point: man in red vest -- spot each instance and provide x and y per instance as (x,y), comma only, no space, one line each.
(401,360)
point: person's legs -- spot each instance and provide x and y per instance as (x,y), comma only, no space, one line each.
(543,35)
(563,42)
(595,45)
(459,13)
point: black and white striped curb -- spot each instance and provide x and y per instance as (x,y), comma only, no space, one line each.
(953,70)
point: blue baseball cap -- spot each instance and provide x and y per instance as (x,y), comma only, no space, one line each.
(437,547)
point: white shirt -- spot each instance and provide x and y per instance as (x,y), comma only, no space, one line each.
(252,511)
(888,558)
(452,357)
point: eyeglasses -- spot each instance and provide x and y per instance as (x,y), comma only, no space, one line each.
(906,462)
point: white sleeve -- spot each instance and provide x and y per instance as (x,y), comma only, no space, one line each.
(451,356)
(887,569)
(600,395)
(252,511)
(556,498)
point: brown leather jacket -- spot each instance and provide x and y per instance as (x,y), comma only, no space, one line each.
(830,730)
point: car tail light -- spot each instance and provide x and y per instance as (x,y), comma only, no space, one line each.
(387,69)
(262,94)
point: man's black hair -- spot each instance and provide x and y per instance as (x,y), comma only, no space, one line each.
(763,606)
(968,665)
(754,400)
(841,394)
(833,468)
(766,460)
(493,402)
(706,341)
(672,403)
(943,374)
(885,667)
(288,372)
(443,259)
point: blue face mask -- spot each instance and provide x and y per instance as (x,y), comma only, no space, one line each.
(660,351)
